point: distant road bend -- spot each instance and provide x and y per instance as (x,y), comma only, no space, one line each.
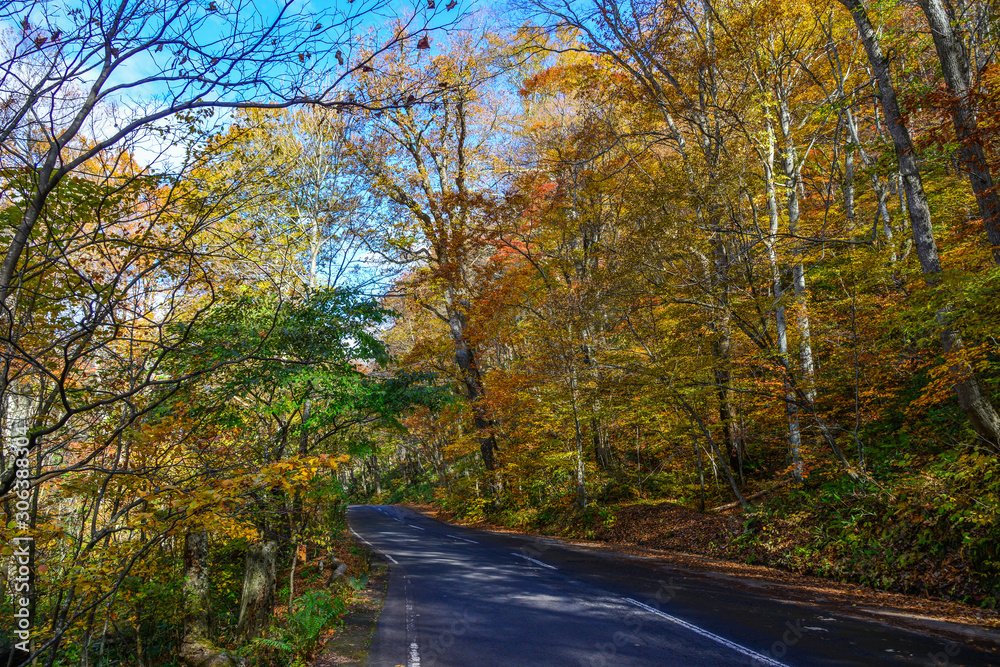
(465,598)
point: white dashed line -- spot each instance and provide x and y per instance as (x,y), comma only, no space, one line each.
(456,537)
(536,562)
(413,658)
(361,538)
(417,527)
(758,657)
(372,547)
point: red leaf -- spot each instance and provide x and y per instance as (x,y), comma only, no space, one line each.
(430,4)
(451,5)
(424,43)
(302,57)
(340,57)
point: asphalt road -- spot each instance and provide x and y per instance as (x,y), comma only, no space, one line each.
(465,598)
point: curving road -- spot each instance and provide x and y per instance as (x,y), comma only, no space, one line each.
(465,598)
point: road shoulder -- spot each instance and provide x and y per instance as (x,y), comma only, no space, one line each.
(351,644)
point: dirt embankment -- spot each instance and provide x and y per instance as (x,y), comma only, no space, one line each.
(671,527)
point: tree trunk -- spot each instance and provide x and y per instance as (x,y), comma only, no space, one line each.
(982,416)
(722,352)
(916,198)
(881,190)
(791,408)
(955,67)
(727,414)
(465,358)
(701,474)
(376,474)
(291,575)
(197,650)
(977,408)
(792,181)
(581,486)
(602,452)
(849,185)
(703,427)
(805,336)
(259,583)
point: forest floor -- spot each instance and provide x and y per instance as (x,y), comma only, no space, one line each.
(690,542)
(348,645)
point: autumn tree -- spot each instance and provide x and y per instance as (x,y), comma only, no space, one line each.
(977,407)
(428,156)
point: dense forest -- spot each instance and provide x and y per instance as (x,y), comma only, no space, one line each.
(541,266)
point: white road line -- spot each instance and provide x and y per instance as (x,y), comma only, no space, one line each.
(361,538)
(417,527)
(413,658)
(372,546)
(759,657)
(456,537)
(537,562)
